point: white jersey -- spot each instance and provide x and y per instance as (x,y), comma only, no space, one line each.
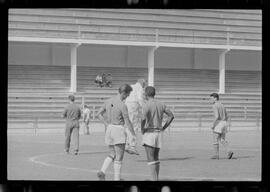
(136,95)
(86,114)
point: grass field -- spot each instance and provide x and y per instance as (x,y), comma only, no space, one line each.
(185,156)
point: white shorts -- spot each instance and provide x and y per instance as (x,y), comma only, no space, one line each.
(115,134)
(153,139)
(221,127)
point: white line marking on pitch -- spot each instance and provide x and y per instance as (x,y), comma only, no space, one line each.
(34,160)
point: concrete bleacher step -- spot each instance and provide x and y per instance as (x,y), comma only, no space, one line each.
(29,102)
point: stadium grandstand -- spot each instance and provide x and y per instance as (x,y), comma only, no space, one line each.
(185,54)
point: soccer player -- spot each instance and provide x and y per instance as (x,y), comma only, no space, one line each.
(72,114)
(86,119)
(134,104)
(151,127)
(219,126)
(115,136)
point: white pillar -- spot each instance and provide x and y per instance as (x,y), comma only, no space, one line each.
(73,63)
(151,65)
(222,55)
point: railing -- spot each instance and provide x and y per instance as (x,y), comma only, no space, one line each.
(197,117)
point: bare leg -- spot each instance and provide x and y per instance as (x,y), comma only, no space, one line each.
(152,154)
(226,146)
(216,139)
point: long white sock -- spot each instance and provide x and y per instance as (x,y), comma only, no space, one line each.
(107,161)
(117,170)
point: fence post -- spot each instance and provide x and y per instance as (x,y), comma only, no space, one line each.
(35,124)
(200,121)
(94,113)
(82,100)
(229,129)
(258,123)
(245,112)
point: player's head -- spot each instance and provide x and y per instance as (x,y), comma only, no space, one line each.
(214,97)
(124,91)
(142,82)
(150,92)
(71,98)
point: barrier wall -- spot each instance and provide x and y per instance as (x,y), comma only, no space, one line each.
(124,56)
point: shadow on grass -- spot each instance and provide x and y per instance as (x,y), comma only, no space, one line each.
(238,157)
(92,152)
(171,159)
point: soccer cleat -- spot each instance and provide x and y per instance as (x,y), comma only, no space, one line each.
(215,157)
(76,153)
(101,176)
(66,152)
(230,154)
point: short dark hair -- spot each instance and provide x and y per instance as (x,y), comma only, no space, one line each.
(215,95)
(125,89)
(71,98)
(150,91)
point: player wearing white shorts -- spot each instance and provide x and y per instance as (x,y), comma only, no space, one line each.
(115,136)
(219,127)
(151,127)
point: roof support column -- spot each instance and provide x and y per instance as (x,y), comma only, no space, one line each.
(151,65)
(73,63)
(222,63)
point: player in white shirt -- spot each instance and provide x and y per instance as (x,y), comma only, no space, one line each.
(86,119)
(134,104)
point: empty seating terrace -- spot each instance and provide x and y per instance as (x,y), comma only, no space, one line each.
(39,93)
(241,27)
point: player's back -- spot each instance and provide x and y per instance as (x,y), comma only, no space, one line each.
(73,112)
(221,111)
(153,111)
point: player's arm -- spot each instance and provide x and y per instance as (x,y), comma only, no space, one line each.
(140,97)
(142,125)
(64,114)
(143,121)
(170,118)
(100,114)
(215,122)
(84,116)
(80,113)
(127,121)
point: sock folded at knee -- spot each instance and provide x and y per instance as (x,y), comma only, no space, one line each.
(108,160)
(154,167)
(153,162)
(117,170)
